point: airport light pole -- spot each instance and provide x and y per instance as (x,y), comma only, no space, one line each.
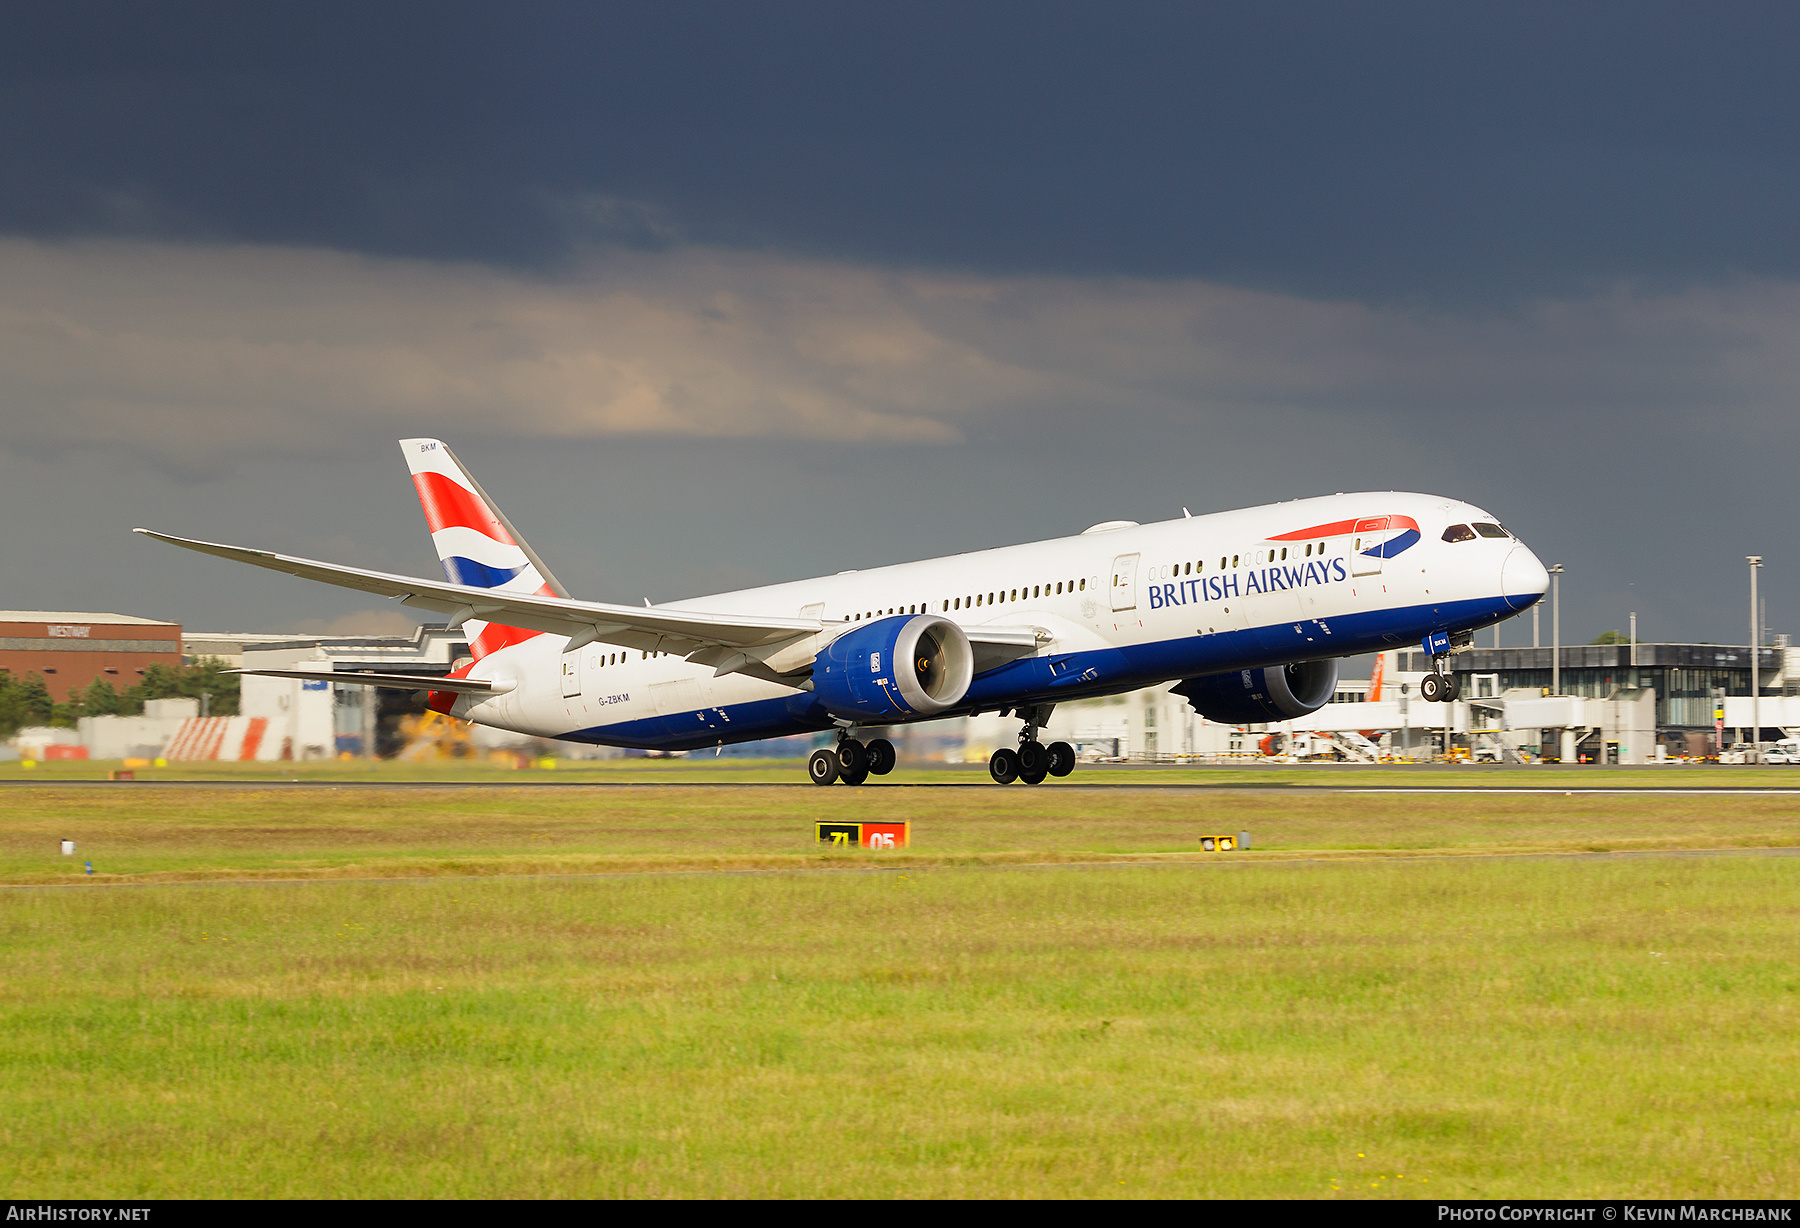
(1755,561)
(1556,629)
(1634,641)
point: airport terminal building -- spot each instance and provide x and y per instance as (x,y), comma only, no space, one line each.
(1686,678)
(71,649)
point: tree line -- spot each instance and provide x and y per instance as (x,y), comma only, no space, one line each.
(28,701)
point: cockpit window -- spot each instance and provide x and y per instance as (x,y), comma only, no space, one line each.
(1459,533)
(1490,530)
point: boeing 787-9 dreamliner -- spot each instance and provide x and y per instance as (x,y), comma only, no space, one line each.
(1249,610)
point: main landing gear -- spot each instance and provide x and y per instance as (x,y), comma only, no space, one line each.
(851,761)
(1033,760)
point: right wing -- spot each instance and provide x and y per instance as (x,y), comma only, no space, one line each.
(401,682)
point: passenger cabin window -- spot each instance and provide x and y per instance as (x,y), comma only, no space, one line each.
(1459,533)
(1489,530)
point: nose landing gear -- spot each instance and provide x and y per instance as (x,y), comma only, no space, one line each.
(1439,686)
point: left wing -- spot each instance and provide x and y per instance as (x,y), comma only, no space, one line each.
(734,643)
(682,632)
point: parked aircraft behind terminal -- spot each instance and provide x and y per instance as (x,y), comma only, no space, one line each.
(1249,609)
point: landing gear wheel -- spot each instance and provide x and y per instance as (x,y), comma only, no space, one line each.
(1033,760)
(1035,777)
(1431,688)
(858,776)
(1004,766)
(1452,689)
(881,757)
(822,768)
(1062,758)
(853,759)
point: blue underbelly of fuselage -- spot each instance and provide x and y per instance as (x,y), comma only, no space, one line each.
(1059,678)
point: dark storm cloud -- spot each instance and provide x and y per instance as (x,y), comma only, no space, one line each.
(711,295)
(1454,152)
(702,418)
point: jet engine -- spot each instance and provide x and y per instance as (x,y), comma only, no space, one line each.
(894,668)
(1273,693)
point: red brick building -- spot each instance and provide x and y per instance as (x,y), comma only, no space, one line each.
(71,650)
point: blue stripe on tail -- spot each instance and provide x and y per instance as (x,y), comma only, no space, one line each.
(477,575)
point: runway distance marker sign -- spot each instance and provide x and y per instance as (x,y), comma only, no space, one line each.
(864,835)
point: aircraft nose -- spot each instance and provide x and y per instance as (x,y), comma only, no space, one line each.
(1523,579)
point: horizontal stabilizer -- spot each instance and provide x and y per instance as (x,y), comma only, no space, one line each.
(402,682)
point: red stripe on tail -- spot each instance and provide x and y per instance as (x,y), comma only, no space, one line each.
(450,506)
(496,636)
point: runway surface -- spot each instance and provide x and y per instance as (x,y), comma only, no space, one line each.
(1152,786)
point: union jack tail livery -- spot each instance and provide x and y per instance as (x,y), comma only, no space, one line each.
(476,544)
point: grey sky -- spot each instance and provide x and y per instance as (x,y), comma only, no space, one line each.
(715,295)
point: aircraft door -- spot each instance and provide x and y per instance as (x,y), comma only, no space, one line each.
(571,674)
(1365,553)
(1124,582)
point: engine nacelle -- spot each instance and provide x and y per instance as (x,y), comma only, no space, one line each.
(1274,693)
(893,668)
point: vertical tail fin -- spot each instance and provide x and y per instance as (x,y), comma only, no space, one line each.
(475,542)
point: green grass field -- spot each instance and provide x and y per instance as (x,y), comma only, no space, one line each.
(703,768)
(666,990)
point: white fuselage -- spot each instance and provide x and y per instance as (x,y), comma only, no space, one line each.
(1156,602)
